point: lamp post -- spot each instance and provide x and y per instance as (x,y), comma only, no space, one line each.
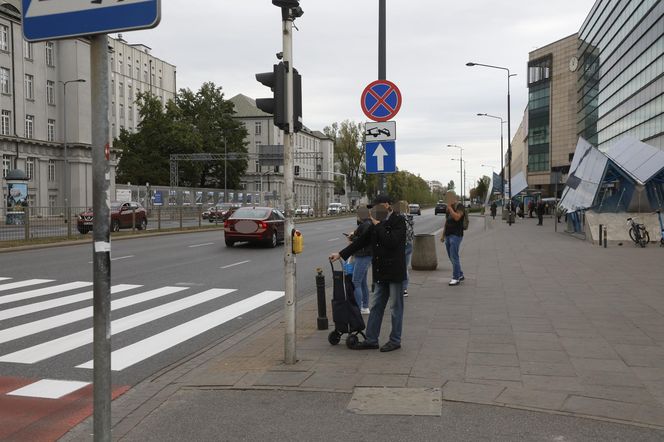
(463,171)
(64,120)
(509,132)
(460,168)
(502,154)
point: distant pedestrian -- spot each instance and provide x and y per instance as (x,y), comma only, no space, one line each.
(494,209)
(531,208)
(540,213)
(387,238)
(361,260)
(453,233)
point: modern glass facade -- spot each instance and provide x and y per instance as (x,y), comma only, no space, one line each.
(621,79)
(539,99)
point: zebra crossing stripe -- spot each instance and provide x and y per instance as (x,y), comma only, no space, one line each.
(141,350)
(20,284)
(4,278)
(44,291)
(49,389)
(59,302)
(30,328)
(61,345)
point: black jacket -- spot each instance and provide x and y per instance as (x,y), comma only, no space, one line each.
(362,230)
(388,243)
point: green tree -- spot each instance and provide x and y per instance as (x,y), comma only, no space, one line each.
(481,188)
(349,152)
(450,186)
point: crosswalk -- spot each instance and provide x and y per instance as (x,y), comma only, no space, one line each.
(31,307)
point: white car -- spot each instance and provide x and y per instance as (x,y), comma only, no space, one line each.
(304,210)
(414,209)
(334,208)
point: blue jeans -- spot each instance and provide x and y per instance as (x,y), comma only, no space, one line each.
(360,271)
(409,255)
(382,293)
(453,244)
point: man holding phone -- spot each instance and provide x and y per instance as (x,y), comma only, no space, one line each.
(387,238)
(453,235)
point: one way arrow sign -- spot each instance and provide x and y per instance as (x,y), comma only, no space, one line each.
(381,157)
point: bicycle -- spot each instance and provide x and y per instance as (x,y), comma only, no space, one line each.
(638,232)
(661,227)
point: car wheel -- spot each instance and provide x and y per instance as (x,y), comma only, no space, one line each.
(273,242)
(229,243)
(115,225)
(143,225)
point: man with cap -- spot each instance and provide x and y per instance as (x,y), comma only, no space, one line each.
(387,238)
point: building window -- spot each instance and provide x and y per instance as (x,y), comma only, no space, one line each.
(30,168)
(120,67)
(259,128)
(138,72)
(52,204)
(29,87)
(122,114)
(121,91)
(6,165)
(113,108)
(130,93)
(4,38)
(29,126)
(4,81)
(145,76)
(161,82)
(129,70)
(5,122)
(27,50)
(50,92)
(51,130)
(131,112)
(51,170)
(50,58)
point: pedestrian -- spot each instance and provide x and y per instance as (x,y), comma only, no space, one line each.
(453,233)
(362,260)
(494,209)
(387,238)
(410,235)
(531,208)
(540,212)
(522,214)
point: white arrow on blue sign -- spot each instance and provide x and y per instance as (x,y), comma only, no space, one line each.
(381,157)
(55,19)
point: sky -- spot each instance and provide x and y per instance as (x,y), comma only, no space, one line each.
(335,49)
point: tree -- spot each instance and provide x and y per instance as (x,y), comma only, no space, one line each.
(450,186)
(349,152)
(482,187)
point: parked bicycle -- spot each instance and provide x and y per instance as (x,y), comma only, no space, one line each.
(638,232)
(661,227)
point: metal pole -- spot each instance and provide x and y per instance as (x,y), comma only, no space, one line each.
(101,238)
(382,62)
(225,172)
(290,354)
(509,148)
(502,166)
(64,119)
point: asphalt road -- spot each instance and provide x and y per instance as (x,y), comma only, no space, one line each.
(172,268)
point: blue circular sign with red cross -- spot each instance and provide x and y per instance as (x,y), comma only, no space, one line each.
(381,100)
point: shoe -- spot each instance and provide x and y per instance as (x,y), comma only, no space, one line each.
(364,345)
(364,311)
(390,346)
(453,282)
(405,293)
(462,278)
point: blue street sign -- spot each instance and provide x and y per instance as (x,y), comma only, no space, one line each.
(53,19)
(381,157)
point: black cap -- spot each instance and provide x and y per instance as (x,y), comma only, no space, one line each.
(383,198)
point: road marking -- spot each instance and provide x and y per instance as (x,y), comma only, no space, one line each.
(52,303)
(236,264)
(202,245)
(333,239)
(26,283)
(31,328)
(141,350)
(117,259)
(49,389)
(64,344)
(4,278)
(45,291)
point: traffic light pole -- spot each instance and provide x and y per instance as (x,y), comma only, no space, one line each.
(290,354)
(382,64)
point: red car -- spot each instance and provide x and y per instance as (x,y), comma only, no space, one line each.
(121,217)
(255,224)
(221,212)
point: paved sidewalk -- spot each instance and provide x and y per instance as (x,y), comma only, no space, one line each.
(543,322)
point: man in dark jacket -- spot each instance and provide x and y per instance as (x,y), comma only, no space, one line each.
(387,238)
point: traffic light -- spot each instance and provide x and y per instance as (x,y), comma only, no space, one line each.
(297,101)
(286,3)
(276,81)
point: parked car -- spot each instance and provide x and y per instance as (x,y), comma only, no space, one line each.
(221,212)
(441,207)
(334,208)
(304,210)
(122,214)
(255,224)
(414,209)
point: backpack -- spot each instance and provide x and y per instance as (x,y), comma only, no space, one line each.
(466,221)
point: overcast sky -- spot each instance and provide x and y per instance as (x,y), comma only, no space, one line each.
(336,52)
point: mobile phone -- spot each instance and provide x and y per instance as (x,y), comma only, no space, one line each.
(346,234)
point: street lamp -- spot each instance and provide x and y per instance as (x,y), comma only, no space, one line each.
(64,120)
(502,154)
(460,168)
(463,182)
(509,133)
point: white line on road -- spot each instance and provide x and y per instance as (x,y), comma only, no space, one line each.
(236,264)
(19,284)
(49,389)
(202,245)
(333,239)
(117,259)
(141,350)
(45,291)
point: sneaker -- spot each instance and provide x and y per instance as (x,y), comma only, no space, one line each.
(462,278)
(453,282)
(364,345)
(364,311)
(390,346)
(405,293)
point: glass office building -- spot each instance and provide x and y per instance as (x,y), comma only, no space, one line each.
(621,72)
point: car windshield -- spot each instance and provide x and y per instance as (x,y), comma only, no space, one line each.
(116,206)
(251,213)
